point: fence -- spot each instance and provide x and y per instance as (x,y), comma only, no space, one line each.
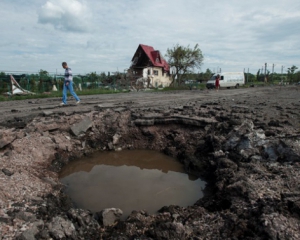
(40,83)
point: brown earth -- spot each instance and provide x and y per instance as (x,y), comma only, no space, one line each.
(244,142)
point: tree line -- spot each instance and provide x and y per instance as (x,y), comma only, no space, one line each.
(185,61)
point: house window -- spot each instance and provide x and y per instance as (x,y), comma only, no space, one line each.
(155,72)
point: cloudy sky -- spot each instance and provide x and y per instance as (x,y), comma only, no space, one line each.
(103,35)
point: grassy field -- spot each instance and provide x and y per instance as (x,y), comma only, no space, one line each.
(58,94)
(200,86)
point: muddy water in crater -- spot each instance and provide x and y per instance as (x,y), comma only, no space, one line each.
(130,180)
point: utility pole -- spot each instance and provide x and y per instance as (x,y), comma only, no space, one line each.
(247,76)
(282,67)
(273,71)
(265,72)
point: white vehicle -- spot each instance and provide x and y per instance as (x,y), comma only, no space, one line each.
(227,79)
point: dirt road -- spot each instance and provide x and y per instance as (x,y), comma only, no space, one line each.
(12,112)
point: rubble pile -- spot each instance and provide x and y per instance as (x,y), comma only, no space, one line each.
(248,151)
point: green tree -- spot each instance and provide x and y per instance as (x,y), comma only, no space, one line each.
(249,77)
(93,79)
(43,72)
(291,72)
(3,83)
(184,60)
(45,81)
(33,82)
(260,77)
(77,80)
(204,76)
(297,76)
(207,75)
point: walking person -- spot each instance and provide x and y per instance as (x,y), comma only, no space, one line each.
(68,85)
(217,83)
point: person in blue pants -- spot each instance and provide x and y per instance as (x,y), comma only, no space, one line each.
(68,85)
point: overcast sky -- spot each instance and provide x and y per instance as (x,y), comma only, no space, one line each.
(103,35)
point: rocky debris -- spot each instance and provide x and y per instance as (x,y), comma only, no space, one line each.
(6,137)
(32,230)
(116,138)
(248,155)
(7,172)
(109,216)
(60,228)
(47,113)
(82,126)
(280,227)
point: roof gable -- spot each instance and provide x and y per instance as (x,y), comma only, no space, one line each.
(155,57)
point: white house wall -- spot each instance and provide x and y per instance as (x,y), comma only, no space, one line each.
(160,79)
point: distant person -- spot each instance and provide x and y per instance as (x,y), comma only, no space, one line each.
(217,83)
(68,85)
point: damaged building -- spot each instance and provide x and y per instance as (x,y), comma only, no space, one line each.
(151,67)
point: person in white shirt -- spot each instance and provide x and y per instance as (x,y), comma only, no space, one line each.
(68,85)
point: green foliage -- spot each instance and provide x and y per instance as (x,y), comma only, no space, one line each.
(3,83)
(292,77)
(184,60)
(204,76)
(33,78)
(43,72)
(196,86)
(249,78)
(93,80)
(46,82)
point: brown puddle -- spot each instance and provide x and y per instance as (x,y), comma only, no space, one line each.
(130,180)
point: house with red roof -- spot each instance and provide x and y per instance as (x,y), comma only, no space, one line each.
(157,67)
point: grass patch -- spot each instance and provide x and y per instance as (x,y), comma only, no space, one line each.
(58,94)
(199,86)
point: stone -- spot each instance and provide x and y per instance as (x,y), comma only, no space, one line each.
(116,138)
(29,234)
(26,216)
(218,154)
(273,123)
(144,122)
(47,127)
(7,172)
(82,126)
(270,152)
(6,138)
(5,219)
(60,228)
(108,216)
(120,109)
(110,146)
(47,113)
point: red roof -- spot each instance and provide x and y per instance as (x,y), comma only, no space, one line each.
(155,57)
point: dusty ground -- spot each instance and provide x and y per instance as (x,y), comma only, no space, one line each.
(244,142)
